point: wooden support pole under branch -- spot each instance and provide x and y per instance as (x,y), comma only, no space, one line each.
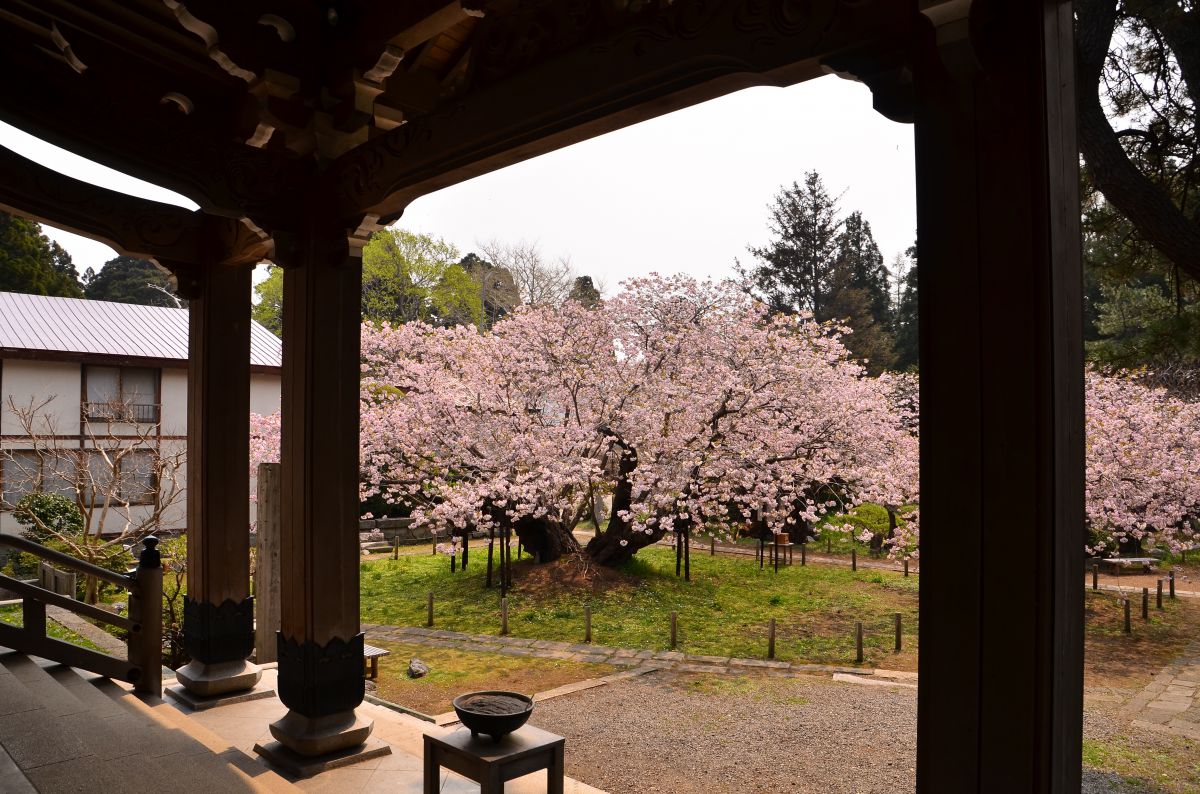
(1095,576)
(429,619)
(905,567)
(491,545)
(1128,625)
(854,558)
(1158,603)
(687,555)
(899,639)
(712,547)
(803,554)
(1145,603)
(1171,582)
(771,639)
(503,616)
(858,642)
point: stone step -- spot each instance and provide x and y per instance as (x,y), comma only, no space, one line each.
(67,730)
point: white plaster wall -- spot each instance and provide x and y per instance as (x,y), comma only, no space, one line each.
(24,381)
(173,394)
(38,379)
(264,394)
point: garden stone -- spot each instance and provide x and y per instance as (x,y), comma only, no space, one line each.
(417,669)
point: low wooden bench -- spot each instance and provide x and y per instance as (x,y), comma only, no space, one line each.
(1117,564)
(371,656)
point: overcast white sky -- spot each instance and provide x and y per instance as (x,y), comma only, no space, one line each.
(683,192)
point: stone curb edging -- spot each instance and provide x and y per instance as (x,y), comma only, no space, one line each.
(639,661)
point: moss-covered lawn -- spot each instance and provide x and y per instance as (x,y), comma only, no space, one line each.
(453,672)
(724,610)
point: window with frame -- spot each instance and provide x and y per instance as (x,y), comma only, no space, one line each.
(26,471)
(121,394)
(128,478)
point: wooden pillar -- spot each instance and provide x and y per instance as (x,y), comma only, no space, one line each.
(1001,400)
(266,574)
(320,646)
(218,622)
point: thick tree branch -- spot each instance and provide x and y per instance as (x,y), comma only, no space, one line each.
(1147,207)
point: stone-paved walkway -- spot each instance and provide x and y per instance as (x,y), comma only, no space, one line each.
(1171,701)
(604,654)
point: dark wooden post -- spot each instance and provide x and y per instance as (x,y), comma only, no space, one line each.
(491,544)
(218,611)
(1095,576)
(587,622)
(854,558)
(1145,603)
(429,609)
(771,639)
(674,628)
(803,554)
(1125,606)
(687,555)
(858,642)
(1158,601)
(906,567)
(1001,349)
(320,642)
(1171,582)
(148,644)
(898,632)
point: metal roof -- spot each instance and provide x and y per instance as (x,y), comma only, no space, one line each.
(35,323)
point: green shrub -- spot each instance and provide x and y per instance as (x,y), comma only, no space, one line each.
(48,514)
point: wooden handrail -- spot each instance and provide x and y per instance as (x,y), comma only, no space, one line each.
(65,560)
(144,666)
(66,602)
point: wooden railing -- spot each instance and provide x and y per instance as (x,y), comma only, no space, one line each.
(143,667)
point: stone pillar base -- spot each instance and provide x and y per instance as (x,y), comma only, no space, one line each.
(315,736)
(222,678)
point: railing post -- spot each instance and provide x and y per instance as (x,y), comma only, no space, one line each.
(145,644)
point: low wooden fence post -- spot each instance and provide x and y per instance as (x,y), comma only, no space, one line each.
(858,642)
(803,554)
(1171,581)
(674,630)
(1158,601)
(1145,603)
(898,632)
(1095,576)
(149,617)
(1128,625)
(771,639)
(905,567)
(854,558)
(429,619)
(587,622)
(712,547)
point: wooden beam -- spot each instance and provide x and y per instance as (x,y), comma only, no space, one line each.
(199,156)
(529,99)
(133,226)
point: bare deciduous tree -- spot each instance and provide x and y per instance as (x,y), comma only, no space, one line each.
(118,473)
(539,280)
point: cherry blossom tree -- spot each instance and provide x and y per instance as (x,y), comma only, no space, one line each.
(683,399)
(1143,470)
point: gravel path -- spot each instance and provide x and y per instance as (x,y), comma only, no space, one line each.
(665,732)
(701,734)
